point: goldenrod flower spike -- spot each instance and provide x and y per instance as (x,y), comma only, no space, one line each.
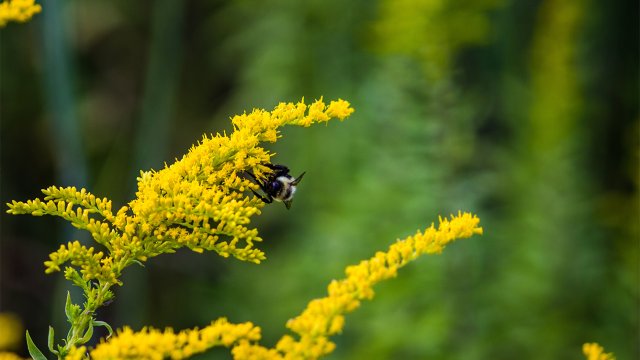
(322,317)
(156,344)
(201,202)
(593,351)
(325,317)
(17,10)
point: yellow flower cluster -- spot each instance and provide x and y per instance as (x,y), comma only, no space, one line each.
(17,10)
(322,317)
(11,330)
(593,351)
(325,317)
(155,344)
(202,202)
(9,356)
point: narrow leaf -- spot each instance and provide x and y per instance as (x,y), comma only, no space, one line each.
(68,306)
(138,262)
(87,336)
(50,341)
(102,323)
(35,353)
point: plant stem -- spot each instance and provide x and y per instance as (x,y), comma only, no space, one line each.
(81,324)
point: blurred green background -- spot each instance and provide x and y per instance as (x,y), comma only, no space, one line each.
(523,112)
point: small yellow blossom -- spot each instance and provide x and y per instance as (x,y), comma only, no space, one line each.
(17,10)
(11,330)
(593,351)
(9,356)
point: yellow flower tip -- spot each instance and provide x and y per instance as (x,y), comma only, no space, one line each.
(593,351)
(18,11)
(340,109)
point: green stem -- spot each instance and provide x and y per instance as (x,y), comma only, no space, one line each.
(81,324)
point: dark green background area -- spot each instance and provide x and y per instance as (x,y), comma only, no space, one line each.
(546,153)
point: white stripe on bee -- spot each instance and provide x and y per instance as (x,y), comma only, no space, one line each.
(287,191)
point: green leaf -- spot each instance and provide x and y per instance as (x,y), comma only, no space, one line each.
(35,353)
(68,308)
(50,341)
(137,262)
(87,336)
(102,323)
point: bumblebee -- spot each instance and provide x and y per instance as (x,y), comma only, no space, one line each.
(278,185)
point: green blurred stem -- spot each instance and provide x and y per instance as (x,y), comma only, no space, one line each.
(160,85)
(69,154)
(154,130)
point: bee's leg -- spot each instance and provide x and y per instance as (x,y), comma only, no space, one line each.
(287,204)
(266,199)
(253,177)
(255,181)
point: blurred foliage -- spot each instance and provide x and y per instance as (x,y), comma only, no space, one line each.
(433,31)
(524,112)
